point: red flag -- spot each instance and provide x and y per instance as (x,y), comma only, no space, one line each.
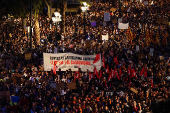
(110,76)
(116,73)
(112,73)
(54,69)
(78,72)
(76,76)
(142,71)
(95,72)
(145,72)
(100,76)
(90,76)
(134,73)
(103,61)
(120,74)
(115,60)
(97,58)
(129,70)
(107,70)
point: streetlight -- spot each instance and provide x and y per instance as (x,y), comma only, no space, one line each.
(56,18)
(28,32)
(84,8)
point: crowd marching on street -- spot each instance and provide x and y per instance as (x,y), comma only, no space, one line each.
(135,72)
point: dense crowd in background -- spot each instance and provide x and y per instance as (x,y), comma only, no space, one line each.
(90,95)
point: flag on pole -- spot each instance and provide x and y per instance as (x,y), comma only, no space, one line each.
(116,73)
(76,76)
(142,71)
(130,35)
(95,72)
(145,72)
(134,73)
(129,70)
(112,73)
(110,77)
(147,38)
(134,35)
(157,38)
(100,76)
(115,60)
(54,69)
(90,76)
(164,41)
(107,70)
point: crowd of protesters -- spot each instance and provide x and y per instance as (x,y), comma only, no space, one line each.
(140,82)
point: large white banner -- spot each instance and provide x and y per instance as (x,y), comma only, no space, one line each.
(65,61)
(123,26)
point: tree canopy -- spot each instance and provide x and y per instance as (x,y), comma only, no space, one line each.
(21,8)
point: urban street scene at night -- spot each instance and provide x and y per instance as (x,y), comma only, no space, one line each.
(84,56)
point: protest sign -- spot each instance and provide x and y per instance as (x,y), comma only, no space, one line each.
(16,75)
(159,20)
(88,43)
(114,20)
(113,9)
(124,8)
(107,16)
(5,94)
(53,85)
(15,99)
(93,23)
(121,93)
(105,37)
(145,2)
(72,85)
(65,61)
(28,56)
(109,92)
(60,86)
(165,21)
(137,48)
(10,35)
(151,50)
(161,57)
(141,56)
(123,26)
(151,54)
(134,90)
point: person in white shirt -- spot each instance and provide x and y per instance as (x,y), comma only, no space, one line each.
(63,79)
(31,78)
